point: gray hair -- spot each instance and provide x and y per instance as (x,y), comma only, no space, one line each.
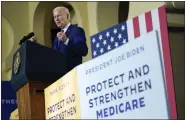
(61,8)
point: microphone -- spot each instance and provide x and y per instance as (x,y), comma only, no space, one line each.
(23,40)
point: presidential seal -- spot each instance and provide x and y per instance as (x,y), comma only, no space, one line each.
(17,62)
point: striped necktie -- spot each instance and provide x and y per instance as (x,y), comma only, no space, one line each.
(62,30)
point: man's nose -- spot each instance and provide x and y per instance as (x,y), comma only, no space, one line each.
(57,19)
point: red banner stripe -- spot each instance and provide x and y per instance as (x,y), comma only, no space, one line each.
(167,63)
(136,27)
(148,19)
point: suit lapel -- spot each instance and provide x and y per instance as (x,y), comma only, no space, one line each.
(69,30)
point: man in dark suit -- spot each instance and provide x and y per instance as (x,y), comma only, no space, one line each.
(70,40)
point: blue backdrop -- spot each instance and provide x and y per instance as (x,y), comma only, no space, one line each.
(8,100)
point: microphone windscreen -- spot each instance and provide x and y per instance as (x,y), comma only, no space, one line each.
(30,35)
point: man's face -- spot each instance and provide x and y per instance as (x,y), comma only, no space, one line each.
(60,18)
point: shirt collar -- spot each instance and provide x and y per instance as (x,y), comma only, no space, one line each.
(65,29)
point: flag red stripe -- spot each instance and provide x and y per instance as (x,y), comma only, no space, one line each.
(148,19)
(136,27)
(167,63)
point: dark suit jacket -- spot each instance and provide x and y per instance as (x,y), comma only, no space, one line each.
(76,47)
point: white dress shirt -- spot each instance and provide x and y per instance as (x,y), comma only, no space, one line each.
(65,29)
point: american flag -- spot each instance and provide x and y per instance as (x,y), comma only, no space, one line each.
(122,33)
(109,39)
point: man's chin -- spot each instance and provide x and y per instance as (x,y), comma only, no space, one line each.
(61,26)
(58,25)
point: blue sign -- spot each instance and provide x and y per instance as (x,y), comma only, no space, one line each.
(8,100)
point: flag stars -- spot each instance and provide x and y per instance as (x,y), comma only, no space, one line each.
(124,41)
(94,53)
(112,39)
(97,45)
(116,44)
(104,42)
(119,36)
(108,47)
(101,50)
(100,37)
(115,31)
(107,34)
(93,40)
(109,40)
(123,27)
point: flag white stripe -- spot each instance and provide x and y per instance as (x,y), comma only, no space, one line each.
(142,24)
(156,26)
(130,29)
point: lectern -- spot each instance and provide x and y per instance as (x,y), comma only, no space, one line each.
(34,68)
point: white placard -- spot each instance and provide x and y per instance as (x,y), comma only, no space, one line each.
(126,83)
